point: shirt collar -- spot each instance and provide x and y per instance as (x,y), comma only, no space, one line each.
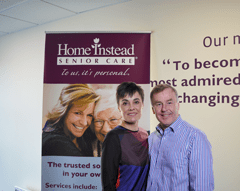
(174,126)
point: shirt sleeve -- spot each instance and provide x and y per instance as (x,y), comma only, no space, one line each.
(111,155)
(201,164)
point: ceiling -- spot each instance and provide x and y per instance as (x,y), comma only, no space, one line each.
(17,15)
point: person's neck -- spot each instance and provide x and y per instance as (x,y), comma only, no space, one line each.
(163,127)
(130,126)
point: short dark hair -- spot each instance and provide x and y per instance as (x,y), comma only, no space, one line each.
(128,88)
(160,87)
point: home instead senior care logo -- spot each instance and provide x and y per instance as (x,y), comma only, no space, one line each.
(95,55)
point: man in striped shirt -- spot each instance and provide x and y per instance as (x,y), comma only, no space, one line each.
(180,154)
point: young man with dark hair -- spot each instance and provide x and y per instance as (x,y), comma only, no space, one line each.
(180,154)
(125,160)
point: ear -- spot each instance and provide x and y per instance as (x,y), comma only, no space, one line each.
(153,110)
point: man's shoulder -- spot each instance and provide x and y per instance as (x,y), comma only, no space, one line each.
(154,135)
(196,132)
(193,127)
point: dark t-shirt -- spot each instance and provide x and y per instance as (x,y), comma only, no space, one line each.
(125,160)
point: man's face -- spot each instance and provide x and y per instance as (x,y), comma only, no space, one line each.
(165,107)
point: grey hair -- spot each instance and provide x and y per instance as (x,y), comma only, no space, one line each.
(160,87)
(107,100)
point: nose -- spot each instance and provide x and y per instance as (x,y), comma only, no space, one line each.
(105,128)
(84,121)
(131,106)
(164,107)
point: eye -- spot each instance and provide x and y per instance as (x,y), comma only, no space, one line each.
(90,115)
(98,123)
(170,102)
(113,122)
(78,113)
(124,103)
(136,102)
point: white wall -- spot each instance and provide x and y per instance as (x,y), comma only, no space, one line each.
(179,27)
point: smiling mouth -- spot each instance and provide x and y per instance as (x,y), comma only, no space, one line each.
(132,114)
(79,128)
(165,115)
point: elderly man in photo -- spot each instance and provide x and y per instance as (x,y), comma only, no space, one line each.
(180,154)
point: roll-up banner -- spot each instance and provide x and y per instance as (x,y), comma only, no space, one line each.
(80,70)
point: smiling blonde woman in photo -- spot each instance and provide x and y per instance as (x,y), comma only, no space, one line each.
(66,132)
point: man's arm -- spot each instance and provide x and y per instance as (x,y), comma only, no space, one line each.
(201,164)
(111,153)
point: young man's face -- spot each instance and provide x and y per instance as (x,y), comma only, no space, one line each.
(131,108)
(165,107)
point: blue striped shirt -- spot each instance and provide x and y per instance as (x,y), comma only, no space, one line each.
(180,159)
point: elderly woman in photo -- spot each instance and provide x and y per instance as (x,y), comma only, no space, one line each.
(66,132)
(106,117)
